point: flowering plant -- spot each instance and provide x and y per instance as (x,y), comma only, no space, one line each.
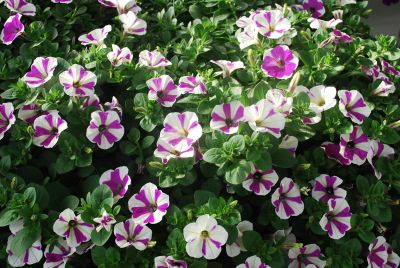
(211,133)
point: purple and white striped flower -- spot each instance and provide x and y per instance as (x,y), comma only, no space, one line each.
(118,180)
(259,181)
(393,260)
(290,143)
(248,37)
(169,262)
(226,117)
(122,6)
(105,129)
(57,256)
(192,84)
(332,151)
(105,221)
(129,233)
(352,105)
(72,228)
(29,112)
(95,37)
(323,24)
(166,151)
(378,255)
(163,90)
(62,1)
(341,37)
(316,7)
(306,255)
(204,238)
(153,59)
(31,256)
(271,24)
(22,7)
(132,24)
(114,106)
(77,81)
(119,56)
(389,69)
(234,249)
(228,67)
(279,101)
(13,28)
(41,71)
(355,146)
(287,200)
(326,187)
(279,62)
(149,205)
(253,262)
(91,101)
(7,118)
(378,150)
(47,129)
(337,220)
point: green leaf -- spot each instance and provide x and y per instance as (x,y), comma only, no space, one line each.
(235,143)
(232,233)
(30,196)
(264,162)
(238,173)
(5,163)
(70,201)
(201,197)
(283,158)
(362,185)
(101,196)
(176,242)
(252,241)
(366,236)
(389,136)
(100,238)
(215,156)
(260,90)
(147,142)
(302,100)
(24,240)
(8,216)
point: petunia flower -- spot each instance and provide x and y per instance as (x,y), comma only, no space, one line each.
(306,255)
(272,24)
(341,37)
(355,146)
(41,71)
(316,7)
(166,151)
(105,221)
(114,106)
(326,187)
(169,262)
(163,90)
(204,238)
(345,2)
(287,200)
(323,24)
(95,37)
(393,260)
(248,37)
(378,254)
(332,151)
(379,149)
(259,181)
(279,62)
(149,205)
(57,255)
(31,256)
(118,180)
(72,228)
(29,112)
(132,24)
(262,117)
(129,233)
(122,6)
(91,101)
(279,101)
(389,69)
(228,67)
(337,220)
(253,262)
(283,236)
(13,28)
(352,105)
(322,98)
(47,129)
(226,117)
(153,59)
(290,143)
(62,1)
(234,249)
(21,6)
(119,56)
(7,118)
(192,84)
(77,81)
(104,129)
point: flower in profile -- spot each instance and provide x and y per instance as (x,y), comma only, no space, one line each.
(47,129)
(105,221)
(234,249)
(337,220)
(169,262)
(287,200)
(149,205)
(228,67)
(226,117)
(41,71)
(91,101)
(290,143)
(326,187)
(306,255)
(21,6)
(355,146)
(57,254)
(253,262)
(163,90)
(389,69)
(181,128)
(13,28)
(316,7)
(62,1)
(332,151)
(117,180)
(7,118)
(279,62)
(204,238)
(114,106)
(259,181)
(345,2)
(271,23)
(283,236)
(341,37)
(393,260)
(279,101)
(122,6)
(28,113)
(129,233)
(95,37)
(153,59)
(192,84)
(352,105)
(166,151)
(323,24)
(379,149)
(248,37)
(31,256)
(119,56)
(72,228)
(132,24)
(77,81)
(104,129)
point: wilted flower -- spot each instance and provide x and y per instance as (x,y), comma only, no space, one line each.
(323,24)
(379,149)
(95,37)
(248,37)
(118,55)
(306,255)
(272,23)
(169,262)
(47,129)
(228,66)
(153,59)
(57,255)
(129,233)
(163,90)
(132,24)
(352,105)
(117,180)
(316,7)
(253,262)
(327,187)
(13,28)
(7,118)
(279,101)
(287,200)
(337,220)
(234,249)
(105,221)
(21,6)
(341,37)
(32,255)
(279,62)
(77,81)
(166,151)
(192,84)
(42,70)
(355,146)
(260,182)
(226,117)
(290,143)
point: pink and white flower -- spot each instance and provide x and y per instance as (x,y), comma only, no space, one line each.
(389,69)
(381,255)
(129,233)
(290,143)
(169,262)
(316,7)
(393,260)
(337,220)
(153,59)
(7,118)
(181,128)
(279,101)
(28,113)
(21,6)
(253,262)
(306,255)
(234,249)
(114,106)
(355,146)
(287,200)
(31,256)
(105,129)
(378,150)
(132,24)
(41,71)
(228,67)
(58,254)
(352,105)
(91,101)
(105,221)
(271,23)
(118,180)
(166,151)
(332,151)
(323,24)
(149,205)
(204,238)
(163,90)
(259,181)
(77,81)
(279,62)
(47,129)
(341,37)
(119,56)
(72,228)
(95,37)
(122,6)
(62,1)
(13,28)
(326,187)
(226,117)
(248,37)
(192,84)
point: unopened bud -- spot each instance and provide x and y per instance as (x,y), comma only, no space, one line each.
(88,150)
(155,164)
(189,214)
(304,166)
(34,217)
(395,124)
(294,82)
(250,57)
(338,14)
(233,203)
(327,41)
(151,244)
(13,183)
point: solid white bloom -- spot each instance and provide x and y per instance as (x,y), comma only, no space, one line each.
(323,24)
(322,98)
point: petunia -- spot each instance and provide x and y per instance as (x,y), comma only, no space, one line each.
(30,256)
(389,69)
(192,84)
(332,151)
(279,62)
(72,228)
(393,260)
(47,129)
(341,37)
(228,67)
(149,205)
(77,81)
(21,6)
(345,2)
(114,106)
(7,118)
(253,262)
(259,181)
(306,255)
(283,236)
(105,221)
(29,112)
(316,7)
(169,262)
(337,220)
(279,101)
(163,90)
(204,238)
(13,28)
(352,105)
(132,24)
(226,117)
(355,146)
(118,180)
(129,233)
(323,24)
(57,254)
(290,143)
(322,98)
(379,149)
(91,101)
(326,187)
(248,37)
(272,24)
(122,6)
(262,117)
(41,71)
(166,151)
(62,1)
(287,200)
(95,37)
(104,129)
(153,59)
(234,249)
(119,56)
(378,255)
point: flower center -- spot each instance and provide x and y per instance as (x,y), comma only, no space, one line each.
(160,94)
(321,102)
(330,216)
(154,207)
(102,128)
(76,84)
(280,63)
(329,190)
(205,234)
(54,131)
(282,197)
(351,144)
(72,223)
(229,122)
(257,176)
